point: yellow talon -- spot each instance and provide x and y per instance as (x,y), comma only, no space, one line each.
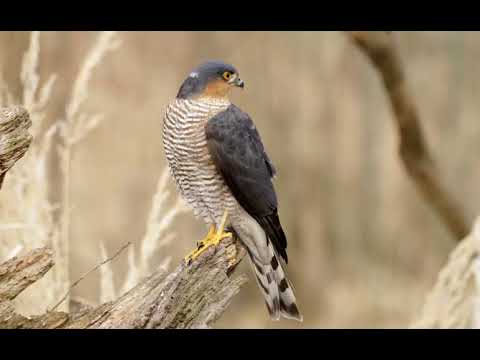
(210,234)
(213,238)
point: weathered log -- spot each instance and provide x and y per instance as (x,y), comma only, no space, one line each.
(192,296)
(454,301)
(17,274)
(14,137)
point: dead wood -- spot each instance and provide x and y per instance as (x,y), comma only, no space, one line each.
(14,137)
(192,296)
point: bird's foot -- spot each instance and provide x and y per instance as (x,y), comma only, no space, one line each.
(210,240)
(213,238)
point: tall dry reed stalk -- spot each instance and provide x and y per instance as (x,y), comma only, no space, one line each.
(27,214)
(72,129)
(157,236)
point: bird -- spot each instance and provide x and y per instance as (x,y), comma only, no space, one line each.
(221,168)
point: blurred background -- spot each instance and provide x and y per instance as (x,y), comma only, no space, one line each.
(364,247)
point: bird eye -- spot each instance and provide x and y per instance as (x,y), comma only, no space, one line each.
(227,75)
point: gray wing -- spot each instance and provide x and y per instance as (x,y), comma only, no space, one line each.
(238,153)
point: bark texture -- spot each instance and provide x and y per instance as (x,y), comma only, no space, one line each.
(14,137)
(192,296)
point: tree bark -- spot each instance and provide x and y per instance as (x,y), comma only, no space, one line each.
(14,137)
(192,296)
(454,301)
(379,47)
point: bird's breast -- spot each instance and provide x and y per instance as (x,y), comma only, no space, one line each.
(184,131)
(188,157)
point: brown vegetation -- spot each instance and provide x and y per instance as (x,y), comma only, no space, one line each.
(379,47)
(357,229)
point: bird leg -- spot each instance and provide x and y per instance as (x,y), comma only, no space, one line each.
(213,238)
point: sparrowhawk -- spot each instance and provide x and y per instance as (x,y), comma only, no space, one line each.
(220,166)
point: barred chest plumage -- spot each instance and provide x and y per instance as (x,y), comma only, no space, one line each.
(189,160)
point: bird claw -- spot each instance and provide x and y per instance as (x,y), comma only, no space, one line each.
(205,244)
(213,238)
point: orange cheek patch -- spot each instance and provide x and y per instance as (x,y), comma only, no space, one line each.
(217,88)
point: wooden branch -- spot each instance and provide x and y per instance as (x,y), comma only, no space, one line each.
(454,301)
(14,137)
(192,296)
(380,49)
(17,274)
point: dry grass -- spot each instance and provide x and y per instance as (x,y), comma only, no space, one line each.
(26,212)
(29,215)
(157,237)
(72,129)
(357,227)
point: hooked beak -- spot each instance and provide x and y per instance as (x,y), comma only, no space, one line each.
(238,82)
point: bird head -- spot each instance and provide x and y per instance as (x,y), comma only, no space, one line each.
(213,79)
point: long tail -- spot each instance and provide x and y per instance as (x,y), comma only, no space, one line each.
(276,288)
